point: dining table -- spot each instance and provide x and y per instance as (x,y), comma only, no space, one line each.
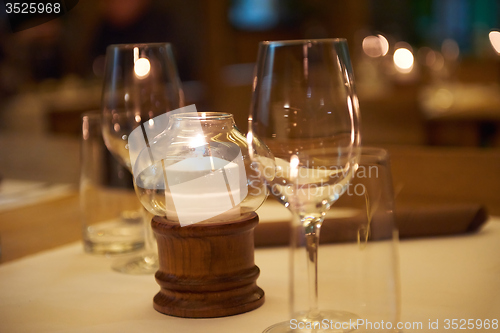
(49,284)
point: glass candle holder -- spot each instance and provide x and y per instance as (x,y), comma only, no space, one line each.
(199,170)
(110,213)
(198,179)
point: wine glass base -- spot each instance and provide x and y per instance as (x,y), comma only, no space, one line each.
(327,321)
(145,263)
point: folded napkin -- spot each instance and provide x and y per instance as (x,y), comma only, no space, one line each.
(440,220)
(423,221)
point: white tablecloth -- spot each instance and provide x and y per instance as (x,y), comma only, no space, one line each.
(65,290)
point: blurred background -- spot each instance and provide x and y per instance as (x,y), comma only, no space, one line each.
(427,75)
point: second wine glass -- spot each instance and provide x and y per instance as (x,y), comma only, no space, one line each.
(304,108)
(140,83)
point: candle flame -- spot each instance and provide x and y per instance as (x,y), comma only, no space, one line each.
(142,68)
(197,141)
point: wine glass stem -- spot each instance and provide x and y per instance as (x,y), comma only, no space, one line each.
(312,229)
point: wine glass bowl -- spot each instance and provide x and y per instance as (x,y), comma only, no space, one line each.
(304,108)
(140,83)
(304,105)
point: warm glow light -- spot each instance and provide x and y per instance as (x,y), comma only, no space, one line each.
(443,98)
(142,67)
(197,141)
(136,54)
(137,118)
(294,167)
(349,105)
(403,59)
(249,141)
(85,130)
(375,46)
(495,40)
(151,122)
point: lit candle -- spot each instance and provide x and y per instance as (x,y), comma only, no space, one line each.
(204,187)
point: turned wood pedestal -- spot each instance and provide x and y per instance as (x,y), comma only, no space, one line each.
(207,270)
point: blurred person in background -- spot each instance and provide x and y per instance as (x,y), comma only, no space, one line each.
(136,21)
(52,72)
(32,55)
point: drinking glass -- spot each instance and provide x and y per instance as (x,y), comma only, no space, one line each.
(140,83)
(304,108)
(359,242)
(111,216)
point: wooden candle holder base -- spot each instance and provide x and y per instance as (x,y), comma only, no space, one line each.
(206,270)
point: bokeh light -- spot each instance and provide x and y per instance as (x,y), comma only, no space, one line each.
(403,60)
(142,67)
(495,40)
(375,46)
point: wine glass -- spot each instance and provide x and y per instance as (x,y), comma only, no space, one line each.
(304,108)
(140,83)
